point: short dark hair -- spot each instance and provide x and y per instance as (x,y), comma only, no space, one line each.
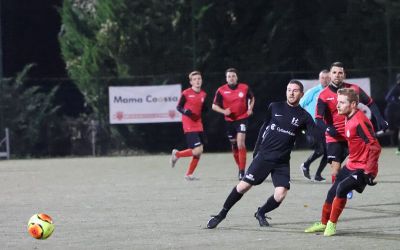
(231,70)
(337,64)
(298,83)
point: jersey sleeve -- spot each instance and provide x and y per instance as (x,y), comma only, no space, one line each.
(307,98)
(218,99)
(365,131)
(181,103)
(250,93)
(364,97)
(361,134)
(310,126)
(320,109)
(260,133)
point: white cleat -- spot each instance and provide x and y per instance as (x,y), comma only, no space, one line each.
(191,178)
(174,159)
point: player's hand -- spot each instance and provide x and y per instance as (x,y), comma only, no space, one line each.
(227,112)
(331,130)
(195,117)
(249,112)
(369,179)
(187,112)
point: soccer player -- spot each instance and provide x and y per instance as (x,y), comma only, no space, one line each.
(191,105)
(309,103)
(284,121)
(235,101)
(392,110)
(361,167)
(332,123)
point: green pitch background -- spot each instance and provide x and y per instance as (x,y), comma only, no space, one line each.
(141,203)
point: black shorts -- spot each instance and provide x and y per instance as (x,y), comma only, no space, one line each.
(337,151)
(239,126)
(346,181)
(194,139)
(260,168)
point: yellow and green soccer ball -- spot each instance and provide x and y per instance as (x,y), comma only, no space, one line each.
(40,226)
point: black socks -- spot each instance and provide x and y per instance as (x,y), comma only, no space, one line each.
(270,205)
(230,201)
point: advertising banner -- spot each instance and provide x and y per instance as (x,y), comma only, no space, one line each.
(144,104)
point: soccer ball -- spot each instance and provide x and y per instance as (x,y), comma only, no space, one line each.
(40,226)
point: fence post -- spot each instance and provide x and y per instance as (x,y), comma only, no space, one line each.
(6,140)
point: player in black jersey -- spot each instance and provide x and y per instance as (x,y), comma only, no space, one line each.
(284,121)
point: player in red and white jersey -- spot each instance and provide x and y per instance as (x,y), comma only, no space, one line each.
(361,167)
(329,120)
(191,105)
(235,101)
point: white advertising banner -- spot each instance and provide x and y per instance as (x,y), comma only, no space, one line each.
(144,104)
(364,83)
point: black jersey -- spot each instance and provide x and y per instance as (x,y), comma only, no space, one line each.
(278,133)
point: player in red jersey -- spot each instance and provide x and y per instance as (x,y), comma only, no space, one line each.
(329,120)
(191,105)
(235,101)
(362,165)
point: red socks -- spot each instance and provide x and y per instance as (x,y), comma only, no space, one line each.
(326,212)
(184,153)
(242,158)
(337,208)
(193,165)
(195,160)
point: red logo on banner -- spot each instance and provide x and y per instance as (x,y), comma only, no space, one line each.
(120,115)
(172,113)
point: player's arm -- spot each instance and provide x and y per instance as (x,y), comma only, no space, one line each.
(393,96)
(204,108)
(261,132)
(251,100)
(381,124)
(217,105)
(320,110)
(306,99)
(366,133)
(180,106)
(311,127)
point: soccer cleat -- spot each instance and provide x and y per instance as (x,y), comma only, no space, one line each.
(330,229)
(305,171)
(350,195)
(174,158)
(241,175)
(191,178)
(316,227)
(319,178)
(262,219)
(214,221)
